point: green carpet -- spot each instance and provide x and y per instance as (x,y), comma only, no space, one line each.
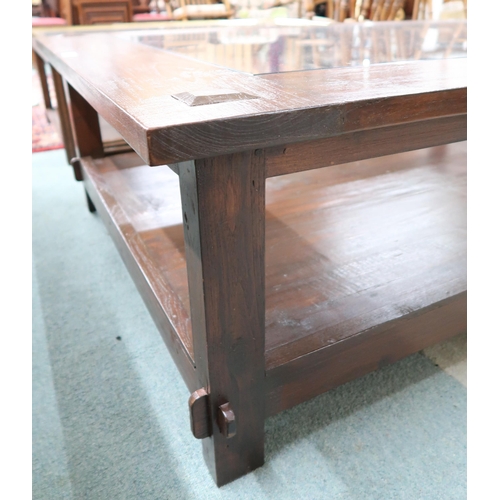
(110,410)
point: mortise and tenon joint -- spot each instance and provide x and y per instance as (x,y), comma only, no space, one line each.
(199,412)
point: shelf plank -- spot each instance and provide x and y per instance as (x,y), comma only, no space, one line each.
(349,249)
(366,264)
(371,246)
(334,364)
(142,214)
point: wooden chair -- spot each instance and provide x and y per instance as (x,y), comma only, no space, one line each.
(338,10)
(160,8)
(203,9)
(373,10)
(102,11)
(140,6)
(380,10)
(358,10)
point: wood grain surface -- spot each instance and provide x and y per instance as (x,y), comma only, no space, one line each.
(223,205)
(87,133)
(364,144)
(349,249)
(354,246)
(65,125)
(131,85)
(271,279)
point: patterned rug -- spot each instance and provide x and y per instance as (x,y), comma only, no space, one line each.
(44,135)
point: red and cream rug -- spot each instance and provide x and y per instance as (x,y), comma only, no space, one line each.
(44,134)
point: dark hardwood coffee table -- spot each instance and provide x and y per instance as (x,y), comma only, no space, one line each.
(311,227)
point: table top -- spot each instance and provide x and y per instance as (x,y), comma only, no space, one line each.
(205,89)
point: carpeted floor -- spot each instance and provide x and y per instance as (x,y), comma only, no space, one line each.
(44,135)
(110,415)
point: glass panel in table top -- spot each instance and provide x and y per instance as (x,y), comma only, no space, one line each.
(283,45)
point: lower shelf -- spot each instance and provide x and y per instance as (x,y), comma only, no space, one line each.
(365,262)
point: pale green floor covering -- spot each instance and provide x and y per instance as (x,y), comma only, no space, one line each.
(110,416)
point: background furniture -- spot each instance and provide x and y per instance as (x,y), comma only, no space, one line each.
(36,8)
(345,284)
(76,12)
(152,16)
(140,6)
(382,10)
(102,11)
(203,9)
(357,10)
(450,9)
(376,10)
(58,8)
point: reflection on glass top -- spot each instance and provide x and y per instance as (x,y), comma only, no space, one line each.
(292,45)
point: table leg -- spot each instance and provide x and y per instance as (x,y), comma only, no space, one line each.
(40,66)
(86,128)
(223,203)
(64,116)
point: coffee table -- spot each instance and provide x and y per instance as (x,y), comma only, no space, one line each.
(292,204)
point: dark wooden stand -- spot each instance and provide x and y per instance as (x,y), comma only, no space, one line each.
(364,264)
(272,280)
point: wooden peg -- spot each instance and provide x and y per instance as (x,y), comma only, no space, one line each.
(199,414)
(77,168)
(226,421)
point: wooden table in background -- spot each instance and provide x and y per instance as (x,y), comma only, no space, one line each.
(311,226)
